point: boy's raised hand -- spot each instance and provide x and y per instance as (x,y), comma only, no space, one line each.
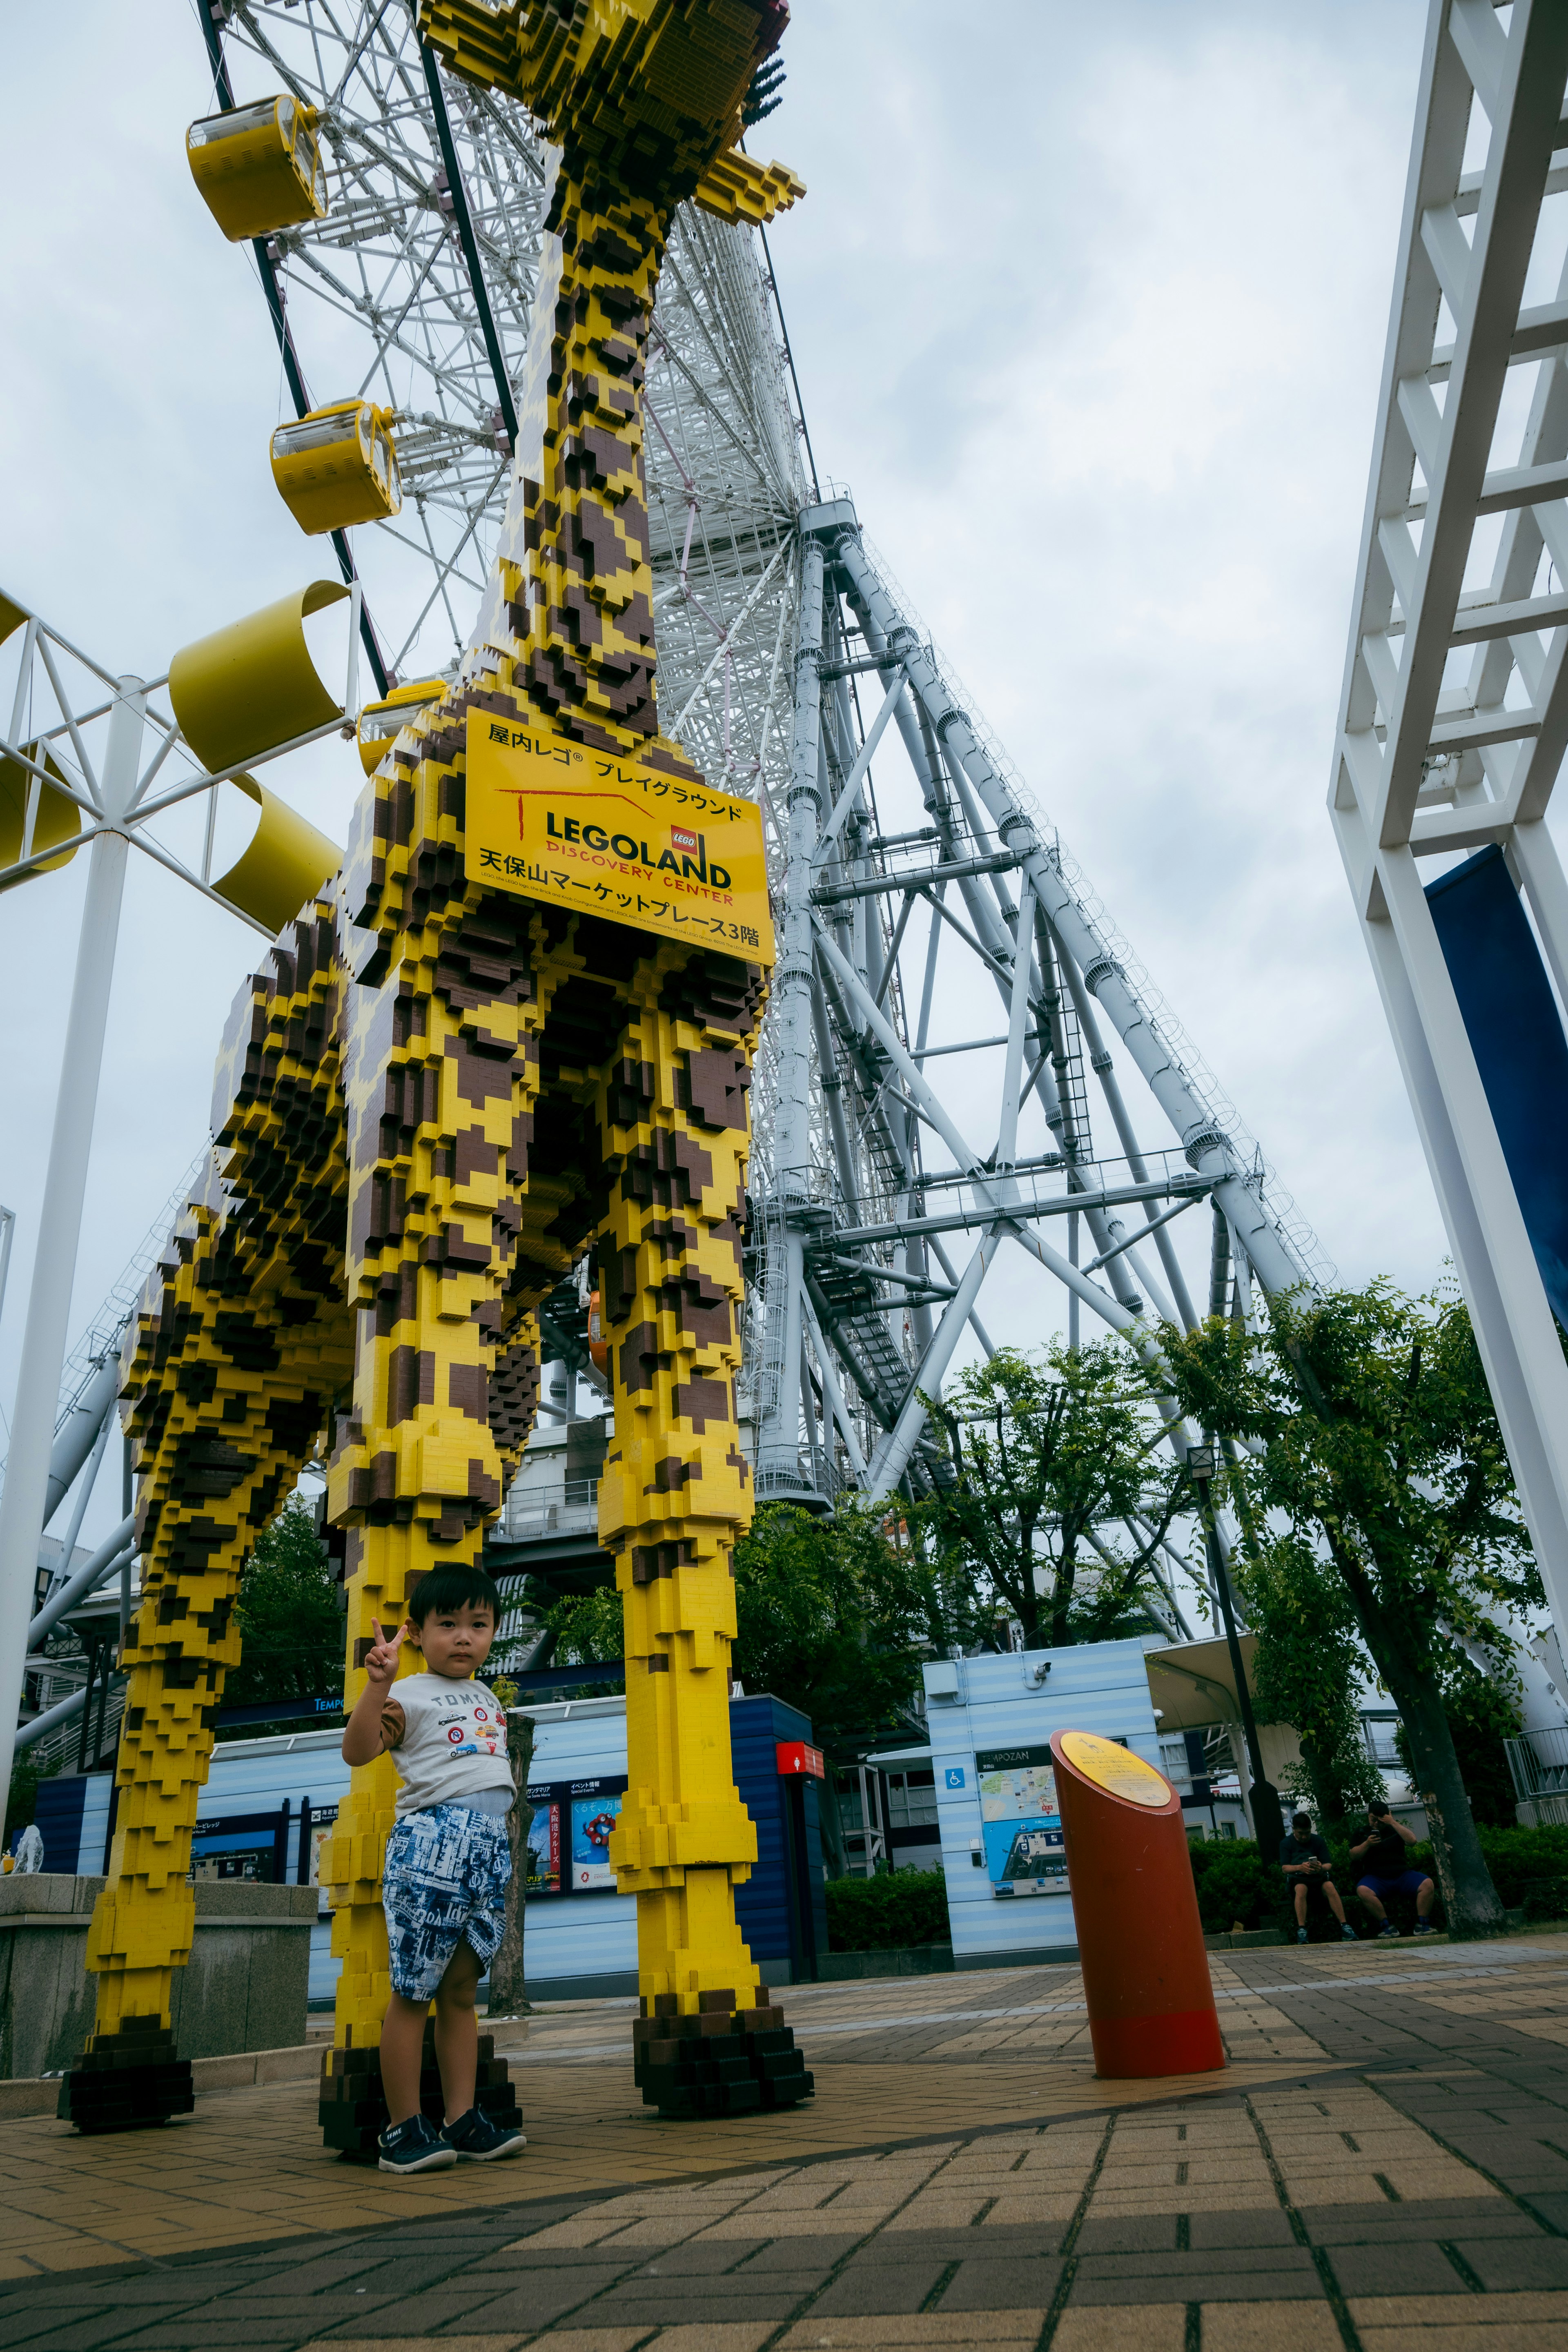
(381,1658)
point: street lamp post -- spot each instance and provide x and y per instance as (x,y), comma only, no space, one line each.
(1268,1823)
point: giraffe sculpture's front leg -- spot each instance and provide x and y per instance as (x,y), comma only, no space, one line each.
(675,1497)
(442,1082)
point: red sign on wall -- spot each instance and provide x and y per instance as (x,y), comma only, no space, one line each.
(794,1756)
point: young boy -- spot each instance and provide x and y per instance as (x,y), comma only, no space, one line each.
(448,1860)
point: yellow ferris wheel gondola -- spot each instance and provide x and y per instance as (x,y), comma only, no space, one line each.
(337,466)
(381,723)
(259,168)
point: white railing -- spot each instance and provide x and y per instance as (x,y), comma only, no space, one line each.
(1539,1762)
(565,1507)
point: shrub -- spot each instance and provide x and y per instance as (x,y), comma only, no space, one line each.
(1529,1869)
(1233,1884)
(888,1913)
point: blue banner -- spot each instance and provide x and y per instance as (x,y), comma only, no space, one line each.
(1516,1036)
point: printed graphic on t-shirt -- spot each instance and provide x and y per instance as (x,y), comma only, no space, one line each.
(472,1725)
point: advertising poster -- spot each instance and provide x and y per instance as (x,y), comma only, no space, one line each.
(543,1849)
(596,1805)
(1020,1819)
(323,1823)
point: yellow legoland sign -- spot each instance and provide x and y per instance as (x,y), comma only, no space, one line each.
(621,838)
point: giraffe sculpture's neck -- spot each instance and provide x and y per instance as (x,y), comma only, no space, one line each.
(572,602)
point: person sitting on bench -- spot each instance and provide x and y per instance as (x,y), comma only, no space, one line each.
(1304,1859)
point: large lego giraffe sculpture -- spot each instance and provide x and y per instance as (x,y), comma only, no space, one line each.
(519,1023)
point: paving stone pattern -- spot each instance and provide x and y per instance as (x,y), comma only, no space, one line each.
(1384,2167)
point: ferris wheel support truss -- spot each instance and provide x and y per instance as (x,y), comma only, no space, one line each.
(1454,712)
(854,1209)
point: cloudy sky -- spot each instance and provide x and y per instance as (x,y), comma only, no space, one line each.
(1089,308)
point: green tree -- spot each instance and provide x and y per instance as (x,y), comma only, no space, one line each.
(1050,1453)
(290,1623)
(22,1802)
(1379,1448)
(1483,1713)
(1309,1661)
(831,1616)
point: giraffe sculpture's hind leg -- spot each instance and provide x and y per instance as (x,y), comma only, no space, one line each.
(232,1362)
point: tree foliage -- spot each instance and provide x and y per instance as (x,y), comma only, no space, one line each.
(290,1623)
(1483,1711)
(1051,1453)
(831,1614)
(1379,1449)
(1309,1661)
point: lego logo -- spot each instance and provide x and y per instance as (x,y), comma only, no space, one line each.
(682,840)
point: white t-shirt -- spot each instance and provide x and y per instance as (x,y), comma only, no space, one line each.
(453,1744)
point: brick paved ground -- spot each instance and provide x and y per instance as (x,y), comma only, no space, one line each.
(1383,2165)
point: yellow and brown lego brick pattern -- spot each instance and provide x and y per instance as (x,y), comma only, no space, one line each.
(230,1370)
(434,1101)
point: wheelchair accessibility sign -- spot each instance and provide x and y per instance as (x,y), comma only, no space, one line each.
(956,1776)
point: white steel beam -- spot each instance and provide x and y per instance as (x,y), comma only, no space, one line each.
(1453,715)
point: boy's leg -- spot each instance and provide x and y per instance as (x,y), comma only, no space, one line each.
(1426,1896)
(402,2045)
(1300,1903)
(1371,1903)
(1335,1905)
(457,2032)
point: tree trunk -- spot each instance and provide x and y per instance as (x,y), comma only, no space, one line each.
(1066,1577)
(1471,1901)
(1328,1789)
(509,1987)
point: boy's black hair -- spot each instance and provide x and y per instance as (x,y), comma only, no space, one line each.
(449,1588)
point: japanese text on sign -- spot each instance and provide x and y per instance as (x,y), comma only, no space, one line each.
(557,821)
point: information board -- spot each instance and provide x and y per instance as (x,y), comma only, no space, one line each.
(621,838)
(1021,1821)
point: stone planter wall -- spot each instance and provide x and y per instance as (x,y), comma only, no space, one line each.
(245,1988)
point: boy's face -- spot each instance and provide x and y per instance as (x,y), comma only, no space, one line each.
(456,1641)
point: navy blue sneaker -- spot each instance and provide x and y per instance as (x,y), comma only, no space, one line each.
(413,2146)
(477,2140)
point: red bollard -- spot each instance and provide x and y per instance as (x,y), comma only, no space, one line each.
(1140,1941)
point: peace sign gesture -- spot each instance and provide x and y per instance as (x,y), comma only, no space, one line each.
(381,1658)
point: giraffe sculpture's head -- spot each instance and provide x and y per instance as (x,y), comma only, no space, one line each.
(647,91)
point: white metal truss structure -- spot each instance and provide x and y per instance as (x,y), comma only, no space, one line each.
(1454,714)
(930,919)
(789,667)
(378,300)
(103,754)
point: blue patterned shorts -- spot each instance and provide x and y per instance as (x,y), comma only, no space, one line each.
(446,1879)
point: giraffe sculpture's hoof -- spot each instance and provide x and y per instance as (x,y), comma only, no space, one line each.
(127,2080)
(718,2060)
